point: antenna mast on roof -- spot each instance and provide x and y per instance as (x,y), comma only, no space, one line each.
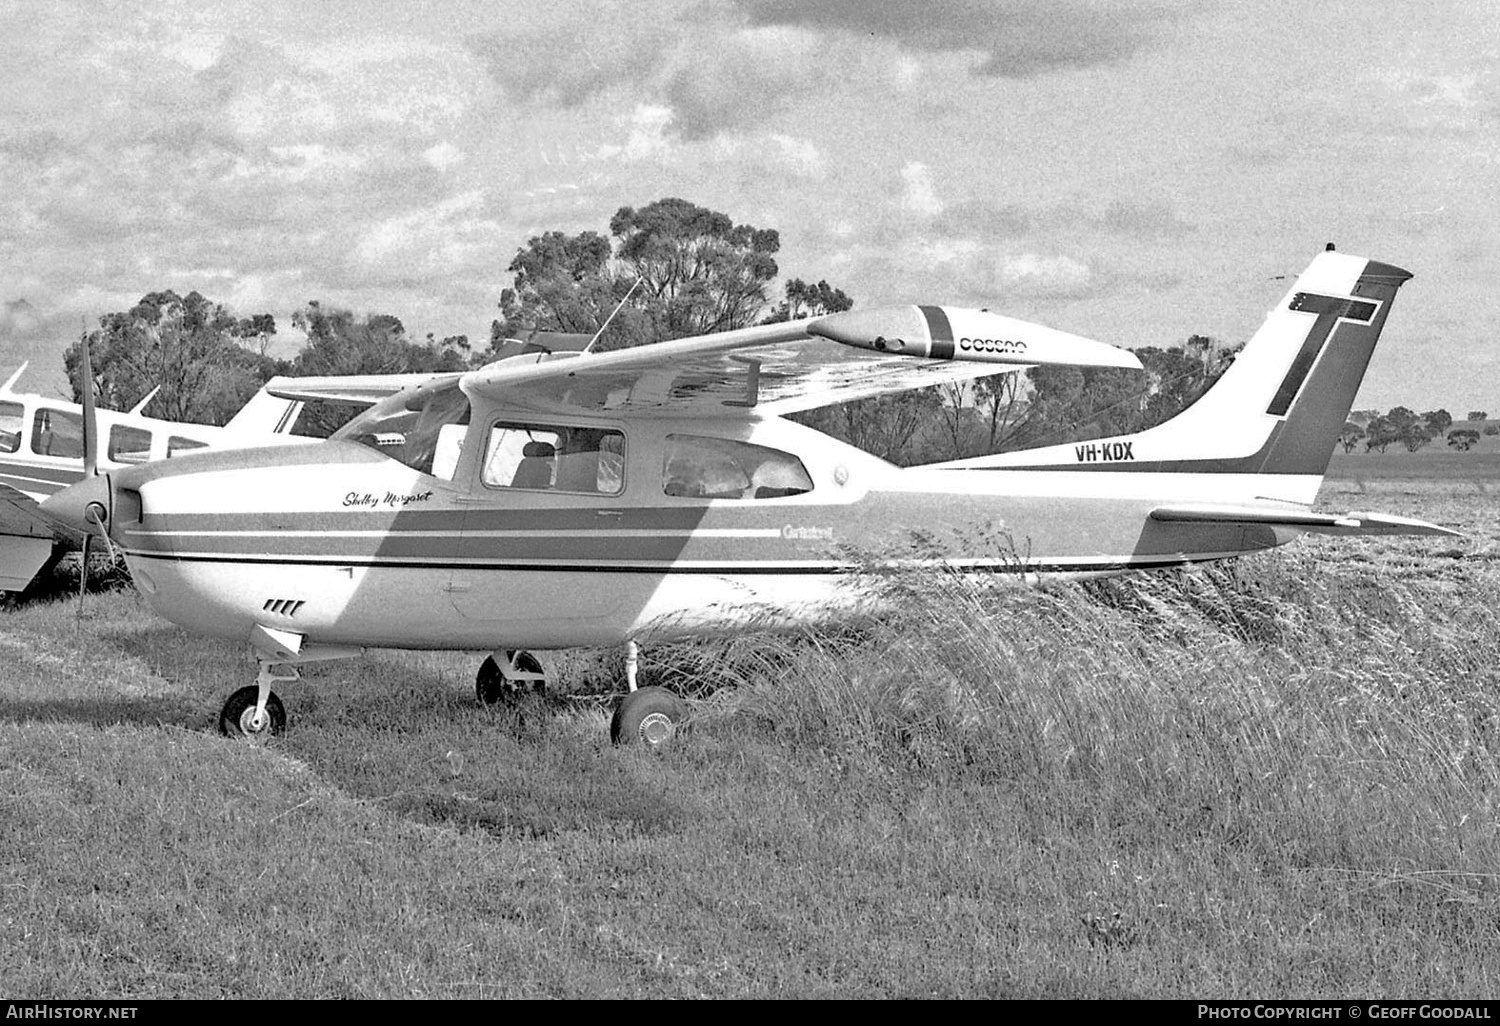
(618,307)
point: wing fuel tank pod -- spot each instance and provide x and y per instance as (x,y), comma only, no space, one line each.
(957,333)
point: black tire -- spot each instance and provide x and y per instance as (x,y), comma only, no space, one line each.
(234,718)
(649,716)
(490,685)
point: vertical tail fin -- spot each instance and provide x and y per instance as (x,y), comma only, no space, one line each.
(1315,396)
(266,414)
(1280,406)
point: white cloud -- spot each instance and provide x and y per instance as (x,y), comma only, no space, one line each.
(779,151)
(919,196)
(301,162)
(949,251)
(1449,90)
(1046,275)
(443,156)
(801,155)
(906,73)
(17,316)
(1019,38)
(452,234)
(648,133)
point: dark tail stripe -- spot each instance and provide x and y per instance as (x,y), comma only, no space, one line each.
(1297,373)
(1349,309)
(1330,310)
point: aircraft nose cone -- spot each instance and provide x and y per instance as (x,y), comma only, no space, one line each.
(70,506)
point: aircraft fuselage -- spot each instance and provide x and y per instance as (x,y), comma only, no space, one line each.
(347,546)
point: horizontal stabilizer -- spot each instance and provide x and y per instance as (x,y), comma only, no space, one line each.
(959,333)
(1298,519)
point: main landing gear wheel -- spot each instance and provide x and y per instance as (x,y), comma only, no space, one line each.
(491,685)
(237,718)
(649,716)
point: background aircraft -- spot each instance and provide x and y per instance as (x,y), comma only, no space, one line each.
(580,499)
(42,451)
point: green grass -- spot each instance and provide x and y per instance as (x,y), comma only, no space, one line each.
(1277,777)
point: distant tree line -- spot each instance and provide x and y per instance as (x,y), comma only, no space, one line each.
(667,270)
(1412,431)
(205,363)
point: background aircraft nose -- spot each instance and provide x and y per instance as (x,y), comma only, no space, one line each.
(70,506)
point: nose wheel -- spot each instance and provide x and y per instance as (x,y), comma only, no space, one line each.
(238,718)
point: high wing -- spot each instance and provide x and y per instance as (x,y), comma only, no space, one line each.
(1299,519)
(349,388)
(773,369)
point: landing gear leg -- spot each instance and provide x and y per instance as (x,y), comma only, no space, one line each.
(632,664)
(651,716)
(508,674)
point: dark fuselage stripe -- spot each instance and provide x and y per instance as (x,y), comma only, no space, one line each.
(674,569)
(48,475)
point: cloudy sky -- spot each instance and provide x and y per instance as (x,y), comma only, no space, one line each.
(1132,170)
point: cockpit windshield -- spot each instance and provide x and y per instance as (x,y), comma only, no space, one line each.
(423,429)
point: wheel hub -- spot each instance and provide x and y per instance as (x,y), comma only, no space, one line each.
(657,728)
(253,724)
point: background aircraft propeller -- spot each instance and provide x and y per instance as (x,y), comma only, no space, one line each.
(95,513)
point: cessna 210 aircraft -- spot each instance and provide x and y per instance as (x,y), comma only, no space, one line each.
(550,501)
(42,452)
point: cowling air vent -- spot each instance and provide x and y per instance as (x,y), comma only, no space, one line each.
(283,607)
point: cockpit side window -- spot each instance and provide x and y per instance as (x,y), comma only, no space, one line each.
(12,419)
(57,433)
(129,444)
(424,430)
(699,467)
(555,458)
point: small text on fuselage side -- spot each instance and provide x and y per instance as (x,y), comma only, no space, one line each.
(1104,452)
(390,500)
(992,345)
(794,533)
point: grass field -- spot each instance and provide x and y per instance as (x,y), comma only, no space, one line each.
(1275,778)
(1480,469)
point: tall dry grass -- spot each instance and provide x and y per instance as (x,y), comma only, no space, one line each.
(1319,714)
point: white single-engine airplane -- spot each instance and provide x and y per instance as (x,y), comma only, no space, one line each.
(543,502)
(42,451)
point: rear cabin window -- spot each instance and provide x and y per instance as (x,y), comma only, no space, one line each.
(12,420)
(698,467)
(177,445)
(57,433)
(129,444)
(554,458)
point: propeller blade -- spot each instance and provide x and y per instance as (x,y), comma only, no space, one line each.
(90,421)
(83,571)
